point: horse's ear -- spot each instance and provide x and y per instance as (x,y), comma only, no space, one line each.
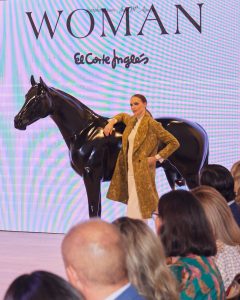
(43,84)
(32,80)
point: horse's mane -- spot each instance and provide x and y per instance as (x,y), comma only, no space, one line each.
(75,101)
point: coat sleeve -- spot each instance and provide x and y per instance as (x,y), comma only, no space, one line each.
(167,138)
(122,117)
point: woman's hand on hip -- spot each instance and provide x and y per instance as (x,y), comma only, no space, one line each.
(152,161)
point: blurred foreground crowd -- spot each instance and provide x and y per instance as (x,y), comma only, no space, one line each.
(194,252)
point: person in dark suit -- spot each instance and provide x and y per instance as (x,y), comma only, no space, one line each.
(95,262)
(129,294)
(221,179)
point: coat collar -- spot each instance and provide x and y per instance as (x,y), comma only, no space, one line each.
(127,131)
(140,135)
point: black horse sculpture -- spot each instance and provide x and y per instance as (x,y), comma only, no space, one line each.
(93,155)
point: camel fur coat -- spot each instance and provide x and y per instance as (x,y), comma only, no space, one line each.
(149,134)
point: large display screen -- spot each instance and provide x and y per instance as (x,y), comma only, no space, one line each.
(182,55)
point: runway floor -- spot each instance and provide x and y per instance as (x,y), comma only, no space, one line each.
(23,252)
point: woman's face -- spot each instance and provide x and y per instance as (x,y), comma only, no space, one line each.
(137,106)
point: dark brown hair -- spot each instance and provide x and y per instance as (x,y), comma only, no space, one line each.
(141,97)
(220,178)
(185,229)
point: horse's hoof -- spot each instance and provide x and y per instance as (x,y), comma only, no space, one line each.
(87,169)
(180,182)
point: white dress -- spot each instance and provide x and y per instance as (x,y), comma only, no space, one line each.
(133,208)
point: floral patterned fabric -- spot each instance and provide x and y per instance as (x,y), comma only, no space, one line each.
(228,262)
(199,278)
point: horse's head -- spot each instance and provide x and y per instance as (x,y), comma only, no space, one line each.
(37,105)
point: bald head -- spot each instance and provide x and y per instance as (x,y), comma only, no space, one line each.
(95,250)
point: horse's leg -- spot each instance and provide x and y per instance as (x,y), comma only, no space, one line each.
(173,176)
(179,181)
(93,188)
(91,179)
(192,180)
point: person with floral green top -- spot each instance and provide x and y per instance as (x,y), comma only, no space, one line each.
(189,244)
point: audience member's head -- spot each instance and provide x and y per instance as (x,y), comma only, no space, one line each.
(146,262)
(219,178)
(183,225)
(95,259)
(219,215)
(41,285)
(235,170)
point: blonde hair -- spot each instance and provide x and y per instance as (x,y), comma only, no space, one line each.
(235,171)
(146,262)
(219,215)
